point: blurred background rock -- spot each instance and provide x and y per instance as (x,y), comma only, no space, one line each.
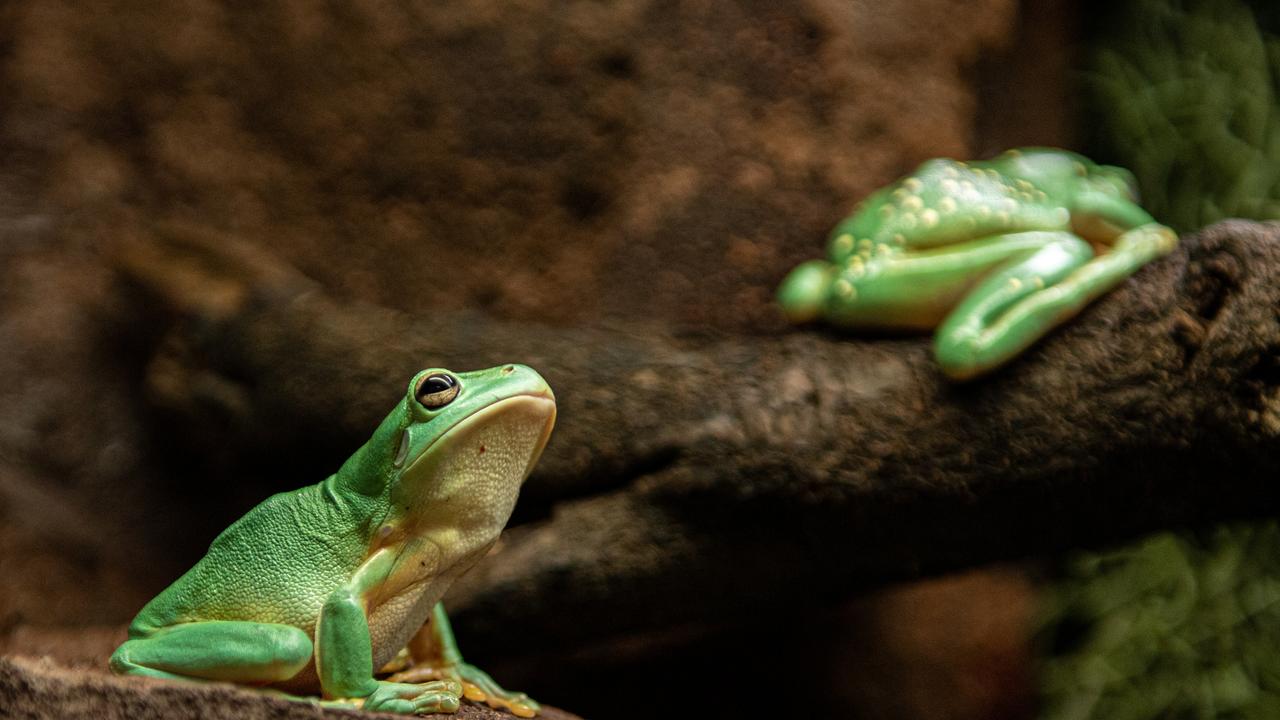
(565,163)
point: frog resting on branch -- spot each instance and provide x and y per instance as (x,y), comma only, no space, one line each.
(993,254)
(314,590)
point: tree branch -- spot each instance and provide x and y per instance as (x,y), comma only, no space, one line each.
(694,475)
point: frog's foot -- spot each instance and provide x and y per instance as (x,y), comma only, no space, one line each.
(441,696)
(803,293)
(477,686)
(1021,302)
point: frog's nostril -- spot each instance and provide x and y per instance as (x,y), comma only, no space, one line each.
(508,369)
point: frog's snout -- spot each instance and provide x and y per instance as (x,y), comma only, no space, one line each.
(803,293)
(1119,181)
(529,380)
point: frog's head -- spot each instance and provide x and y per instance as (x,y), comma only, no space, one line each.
(1065,175)
(1112,180)
(803,293)
(448,462)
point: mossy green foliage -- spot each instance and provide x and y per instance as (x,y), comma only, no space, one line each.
(1185,93)
(1177,626)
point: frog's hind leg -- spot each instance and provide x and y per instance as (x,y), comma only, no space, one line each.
(1030,296)
(917,289)
(232,651)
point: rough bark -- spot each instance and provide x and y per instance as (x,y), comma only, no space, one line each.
(39,688)
(694,476)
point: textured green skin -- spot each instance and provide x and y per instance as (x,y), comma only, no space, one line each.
(313,590)
(993,254)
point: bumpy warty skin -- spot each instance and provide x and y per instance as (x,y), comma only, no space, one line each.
(254,570)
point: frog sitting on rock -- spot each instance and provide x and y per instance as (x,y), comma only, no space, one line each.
(993,254)
(314,590)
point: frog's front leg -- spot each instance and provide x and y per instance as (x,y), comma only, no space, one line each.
(1102,218)
(1018,304)
(436,656)
(344,652)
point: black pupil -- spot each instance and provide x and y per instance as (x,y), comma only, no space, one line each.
(434,384)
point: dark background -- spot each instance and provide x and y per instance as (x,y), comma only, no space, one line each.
(635,167)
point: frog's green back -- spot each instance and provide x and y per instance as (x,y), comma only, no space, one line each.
(276,564)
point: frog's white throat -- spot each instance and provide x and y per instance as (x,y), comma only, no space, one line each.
(459,492)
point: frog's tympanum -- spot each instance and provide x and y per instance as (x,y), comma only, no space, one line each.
(314,590)
(993,254)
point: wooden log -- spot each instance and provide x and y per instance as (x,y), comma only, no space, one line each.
(694,475)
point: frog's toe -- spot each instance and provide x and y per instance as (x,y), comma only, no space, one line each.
(438,703)
(803,293)
(478,686)
(518,704)
(472,683)
(474,693)
(440,696)
(512,699)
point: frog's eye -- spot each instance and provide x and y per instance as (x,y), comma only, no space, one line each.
(437,390)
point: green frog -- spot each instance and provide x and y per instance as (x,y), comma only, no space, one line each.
(314,590)
(992,254)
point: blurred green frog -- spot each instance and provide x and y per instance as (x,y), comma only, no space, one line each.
(993,254)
